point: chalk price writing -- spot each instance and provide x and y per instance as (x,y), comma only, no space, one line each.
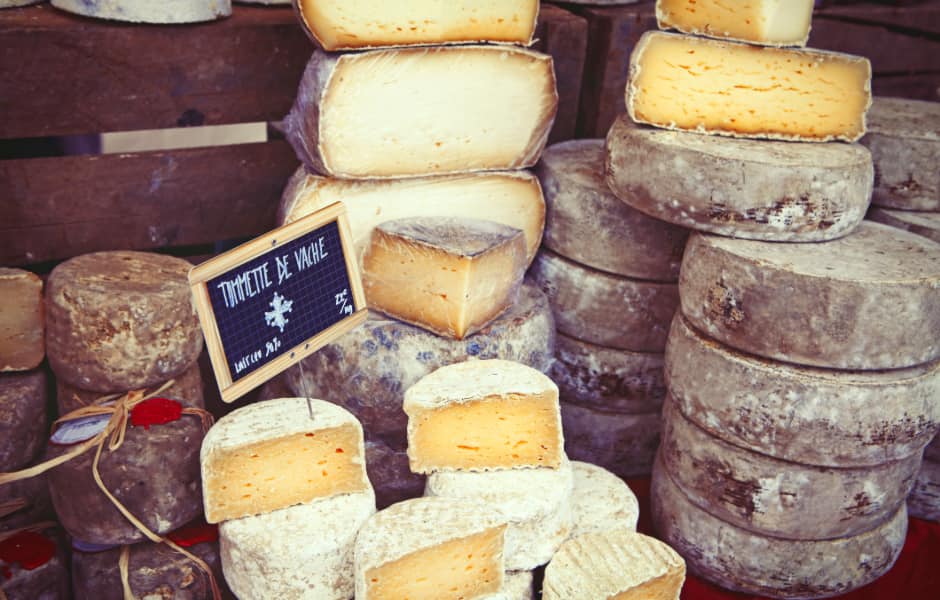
(342,301)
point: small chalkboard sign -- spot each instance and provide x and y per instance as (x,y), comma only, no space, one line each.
(271,302)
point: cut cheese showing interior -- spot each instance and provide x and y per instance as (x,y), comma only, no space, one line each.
(480,415)
(22,320)
(601,501)
(924,501)
(904,139)
(617,564)
(588,224)
(926,224)
(778,498)
(756,189)
(368,369)
(804,415)
(351,24)
(536,504)
(765,22)
(512,198)
(430,548)
(605,309)
(423,111)
(452,276)
(279,453)
(302,551)
(727,88)
(624,444)
(22,418)
(517,585)
(739,560)
(147,11)
(879,285)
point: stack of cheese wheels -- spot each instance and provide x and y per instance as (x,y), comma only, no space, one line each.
(286,481)
(423,126)
(610,273)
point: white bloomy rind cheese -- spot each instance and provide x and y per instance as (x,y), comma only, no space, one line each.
(423,111)
(618,564)
(764,22)
(352,24)
(904,139)
(22,320)
(621,443)
(756,189)
(513,198)
(272,455)
(429,547)
(535,502)
(303,551)
(922,223)
(779,498)
(149,11)
(727,88)
(449,275)
(924,501)
(739,560)
(869,300)
(601,501)
(517,585)
(480,415)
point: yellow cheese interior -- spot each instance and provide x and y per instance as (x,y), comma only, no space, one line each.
(428,111)
(494,432)
(784,22)
(666,587)
(277,473)
(22,344)
(364,23)
(739,89)
(462,568)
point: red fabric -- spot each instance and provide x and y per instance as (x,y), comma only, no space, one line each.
(156,411)
(195,533)
(915,576)
(28,549)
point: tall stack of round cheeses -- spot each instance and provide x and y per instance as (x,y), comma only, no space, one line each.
(802,376)
(423,132)
(610,273)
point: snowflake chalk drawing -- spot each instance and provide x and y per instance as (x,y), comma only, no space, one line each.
(279,307)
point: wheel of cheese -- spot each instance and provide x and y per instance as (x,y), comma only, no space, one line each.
(904,139)
(922,223)
(933,450)
(154,474)
(739,560)
(187,388)
(801,414)
(15,3)
(22,418)
(536,504)
(601,501)
(300,551)
(604,309)
(368,370)
(778,498)
(22,320)
(34,565)
(924,501)
(33,493)
(606,378)
(755,189)
(870,300)
(147,11)
(621,443)
(585,222)
(119,321)
(390,474)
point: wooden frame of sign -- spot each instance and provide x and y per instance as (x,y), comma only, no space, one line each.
(315,271)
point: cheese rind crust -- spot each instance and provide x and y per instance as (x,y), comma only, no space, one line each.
(924,501)
(922,223)
(148,11)
(601,501)
(764,22)
(186,389)
(621,443)
(22,320)
(22,418)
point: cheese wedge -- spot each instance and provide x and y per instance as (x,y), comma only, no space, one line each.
(765,22)
(727,88)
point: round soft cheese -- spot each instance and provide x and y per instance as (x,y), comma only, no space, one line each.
(601,501)
(922,223)
(621,443)
(22,418)
(148,11)
(924,501)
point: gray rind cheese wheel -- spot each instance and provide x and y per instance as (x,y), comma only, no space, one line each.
(22,418)
(15,3)
(869,300)
(48,581)
(601,501)
(585,222)
(924,501)
(777,498)
(187,388)
(148,11)
(154,571)
(390,474)
(922,223)
(801,414)
(605,309)
(933,450)
(607,378)
(623,444)
(119,321)
(34,492)
(367,370)
(904,139)
(739,560)
(754,189)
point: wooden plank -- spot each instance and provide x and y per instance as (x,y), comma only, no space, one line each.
(66,74)
(60,207)
(564,35)
(922,86)
(891,50)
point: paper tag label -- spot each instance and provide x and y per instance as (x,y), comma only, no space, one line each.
(79,430)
